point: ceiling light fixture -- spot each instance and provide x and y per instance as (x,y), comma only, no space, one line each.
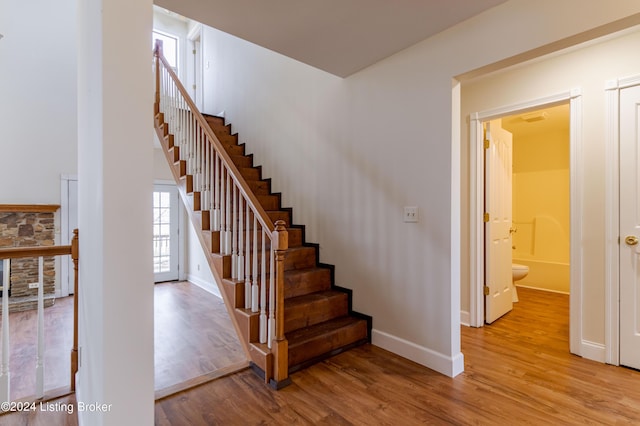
(534,116)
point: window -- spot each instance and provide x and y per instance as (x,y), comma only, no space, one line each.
(169,47)
(161,232)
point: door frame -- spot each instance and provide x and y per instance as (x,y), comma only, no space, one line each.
(180,225)
(66,271)
(612,217)
(476,210)
(194,76)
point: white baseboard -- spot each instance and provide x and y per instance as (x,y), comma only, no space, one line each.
(211,287)
(542,289)
(593,351)
(464,318)
(449,366)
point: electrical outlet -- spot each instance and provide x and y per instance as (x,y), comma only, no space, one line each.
(33,285)
(410,214)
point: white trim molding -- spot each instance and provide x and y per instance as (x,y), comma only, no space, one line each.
(476,205)
(210,287)
(464,318)
(593,351)
(449,366)
(63,289)
(612,218)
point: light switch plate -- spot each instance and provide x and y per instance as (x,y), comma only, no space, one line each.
(410,214)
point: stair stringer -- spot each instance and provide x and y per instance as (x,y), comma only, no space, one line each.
(218,264)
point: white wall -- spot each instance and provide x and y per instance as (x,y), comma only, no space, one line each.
(348,154)
(115,87)
(38,99)
(161,170)
(587,68)
(197,266)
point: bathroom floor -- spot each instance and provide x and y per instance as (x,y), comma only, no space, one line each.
(540,318)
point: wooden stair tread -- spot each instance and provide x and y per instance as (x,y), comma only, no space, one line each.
(298,282)
(304,335)
(311,297)
(311,344)
(314,308)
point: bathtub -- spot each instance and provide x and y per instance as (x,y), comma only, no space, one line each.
(543,275)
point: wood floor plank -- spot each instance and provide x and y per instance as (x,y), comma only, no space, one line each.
(58,331)
(517,371)
(194,342)
(193,334)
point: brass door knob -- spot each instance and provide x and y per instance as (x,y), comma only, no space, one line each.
(631,240)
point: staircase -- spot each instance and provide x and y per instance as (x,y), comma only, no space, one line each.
(283,302)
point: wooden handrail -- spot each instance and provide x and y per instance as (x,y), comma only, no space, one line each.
(262,216)
(28,208)
(187,120)
(22,252)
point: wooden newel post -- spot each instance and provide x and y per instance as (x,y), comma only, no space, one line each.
(75,252)
(280,346)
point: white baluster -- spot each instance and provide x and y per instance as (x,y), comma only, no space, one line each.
(185,136)
(197,155)
(240,239)
(227,234)
(194,146)
(223,226)
(212,188)
(263,292)
(207,165)
(200,156)
(247,264)
(5,374)
(216,196)
(40,350)
(272,297)
(254,288)
(234,235)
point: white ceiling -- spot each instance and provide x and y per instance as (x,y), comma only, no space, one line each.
(337,36)
(539,123)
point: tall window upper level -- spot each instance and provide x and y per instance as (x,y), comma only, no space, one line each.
(169,47)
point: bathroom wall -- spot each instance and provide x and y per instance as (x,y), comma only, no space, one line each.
(541,201)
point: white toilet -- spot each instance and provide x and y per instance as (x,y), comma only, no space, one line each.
(519,272)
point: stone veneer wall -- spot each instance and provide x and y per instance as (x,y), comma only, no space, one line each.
(28,228)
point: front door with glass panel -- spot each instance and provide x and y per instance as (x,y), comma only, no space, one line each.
(165,233)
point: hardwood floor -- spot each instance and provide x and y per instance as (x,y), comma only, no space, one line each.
(517,371)
(193,337)
(58,331)
(193,334)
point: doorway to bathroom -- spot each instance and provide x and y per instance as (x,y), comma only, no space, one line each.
(527,188)
(542,227)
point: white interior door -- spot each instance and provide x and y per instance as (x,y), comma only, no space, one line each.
(630,227)
(498,184)
(165,233)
